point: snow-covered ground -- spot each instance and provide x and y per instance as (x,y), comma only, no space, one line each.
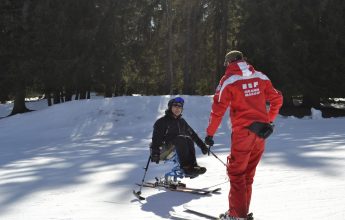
(79,160)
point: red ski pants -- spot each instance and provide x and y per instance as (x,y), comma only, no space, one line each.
(246,152)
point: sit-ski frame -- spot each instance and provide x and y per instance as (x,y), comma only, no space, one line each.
(176,172)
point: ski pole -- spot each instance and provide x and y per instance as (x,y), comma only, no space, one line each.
(217,157)
(137,194)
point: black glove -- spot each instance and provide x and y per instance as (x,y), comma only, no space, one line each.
(267,130)
(261,129)
(155,158)
(209,140)
(272,124)
(204,148)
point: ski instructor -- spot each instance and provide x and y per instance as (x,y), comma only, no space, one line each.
(245,91)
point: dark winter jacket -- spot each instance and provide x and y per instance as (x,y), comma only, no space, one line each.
(168,127)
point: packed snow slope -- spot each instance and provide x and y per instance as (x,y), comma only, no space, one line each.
(80,160)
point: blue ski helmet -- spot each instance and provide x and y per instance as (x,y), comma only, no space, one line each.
(175,100)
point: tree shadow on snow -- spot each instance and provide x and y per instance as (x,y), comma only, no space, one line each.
(307,144)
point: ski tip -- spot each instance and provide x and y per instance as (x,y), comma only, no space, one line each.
(217,190)
(138,195)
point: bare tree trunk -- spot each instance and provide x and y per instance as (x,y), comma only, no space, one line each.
(88,95)
(170,49)
(77,93)
(108,91)
(82,93)
(56,97)
(224,31)
(19,101)
(48,97)
(188,61)
(68,94)
(221,35)
(218,57)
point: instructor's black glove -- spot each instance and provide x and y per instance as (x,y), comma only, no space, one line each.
(261,129)
(204,148)
(209,140)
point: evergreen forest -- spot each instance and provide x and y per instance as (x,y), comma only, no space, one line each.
(66,49)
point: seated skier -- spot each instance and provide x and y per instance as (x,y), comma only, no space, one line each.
(172,132)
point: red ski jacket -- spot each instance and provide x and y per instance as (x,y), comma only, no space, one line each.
(246,92)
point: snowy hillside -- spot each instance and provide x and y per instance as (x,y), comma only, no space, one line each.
(79,161)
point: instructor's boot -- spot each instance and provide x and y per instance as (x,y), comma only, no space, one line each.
(226,216)
(250,216)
